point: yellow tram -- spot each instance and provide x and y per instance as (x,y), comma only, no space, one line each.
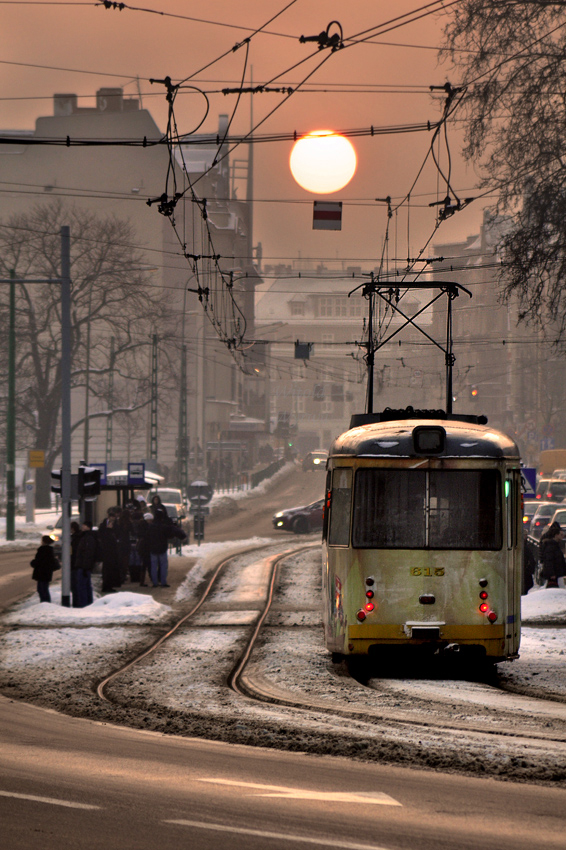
(422,537)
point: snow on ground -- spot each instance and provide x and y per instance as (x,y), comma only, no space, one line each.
(54,656)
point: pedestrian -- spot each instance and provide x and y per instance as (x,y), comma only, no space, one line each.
(158,540)
(84,564)
(75,537)
(143,547)
(553,563)
(135,562)
(110,554)
(44,563)
(123,530)
(158,509)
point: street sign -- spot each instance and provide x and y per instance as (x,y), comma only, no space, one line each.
(547,444)
(36,458)
(327,215)
(529,482)
(200,492)
(136,474)
(204,510)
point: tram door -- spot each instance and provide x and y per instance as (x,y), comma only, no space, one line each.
(514,558)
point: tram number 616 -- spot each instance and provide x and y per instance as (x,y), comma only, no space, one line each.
(426,571)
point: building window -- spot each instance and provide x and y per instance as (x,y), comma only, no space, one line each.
(300,372)
(325,306)
(341,306)
(356,305)
(297,308)
(327,408)
(299,404)
(327,338)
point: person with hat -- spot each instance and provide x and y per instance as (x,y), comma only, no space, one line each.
(143,527)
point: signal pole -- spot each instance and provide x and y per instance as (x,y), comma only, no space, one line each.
(66,413)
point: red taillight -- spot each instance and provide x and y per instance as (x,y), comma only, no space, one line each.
(369,594)
(483,594)
(492,616)
(484,607)
(369,606)
(361,615)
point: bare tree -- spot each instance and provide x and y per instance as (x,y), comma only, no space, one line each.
(511,57)
(111,292)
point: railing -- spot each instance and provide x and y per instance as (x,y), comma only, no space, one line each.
(261,475)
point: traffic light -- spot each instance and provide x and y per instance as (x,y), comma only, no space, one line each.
(473,392)
(56,479)
(89,482)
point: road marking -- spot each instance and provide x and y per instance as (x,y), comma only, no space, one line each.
(280,836)
(377,798)
(51,800)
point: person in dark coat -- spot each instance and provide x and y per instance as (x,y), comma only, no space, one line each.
(158,509)
(110,553)
(143,546)
(44,563)
(75,537)
(158,541)
(552,559)
(123,530)
(84,564)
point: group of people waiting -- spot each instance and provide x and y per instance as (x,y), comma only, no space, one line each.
(131,543)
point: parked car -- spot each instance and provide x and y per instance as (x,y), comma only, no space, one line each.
(315,460)
(541,518)
(300,520)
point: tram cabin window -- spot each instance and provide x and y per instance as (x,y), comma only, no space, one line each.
(427,509)
(340,507)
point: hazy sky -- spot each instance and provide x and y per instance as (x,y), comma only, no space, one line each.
(94,47)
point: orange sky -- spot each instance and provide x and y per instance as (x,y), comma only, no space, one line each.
(116,48)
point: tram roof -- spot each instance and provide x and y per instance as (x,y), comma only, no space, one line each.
(395,439)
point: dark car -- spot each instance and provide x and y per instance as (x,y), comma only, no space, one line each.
(315,460)
(300,520)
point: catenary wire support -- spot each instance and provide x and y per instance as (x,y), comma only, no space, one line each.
(390,295)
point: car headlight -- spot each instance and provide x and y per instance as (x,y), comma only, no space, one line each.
(316,460)
(280,514)
(280,523)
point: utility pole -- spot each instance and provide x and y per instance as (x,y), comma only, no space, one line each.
(87,382)
(109,418)
(182,450)
(66,413)
(11,417)
(153,410)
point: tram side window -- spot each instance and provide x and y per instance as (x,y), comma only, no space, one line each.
(464,509)
(389,509)
(340,507)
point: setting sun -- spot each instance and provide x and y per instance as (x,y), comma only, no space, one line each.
(323,162)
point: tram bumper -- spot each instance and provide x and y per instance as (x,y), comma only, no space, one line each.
(436,636)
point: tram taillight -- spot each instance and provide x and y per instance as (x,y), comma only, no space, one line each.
(483,594)
(492,616)
(369,594)
(361,615)
(369,606)
(484,607)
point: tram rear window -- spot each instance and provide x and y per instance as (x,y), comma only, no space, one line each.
(427,509)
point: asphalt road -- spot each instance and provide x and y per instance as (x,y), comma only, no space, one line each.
(73,783)
(66,782)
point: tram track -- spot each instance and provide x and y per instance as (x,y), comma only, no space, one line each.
(409,702)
